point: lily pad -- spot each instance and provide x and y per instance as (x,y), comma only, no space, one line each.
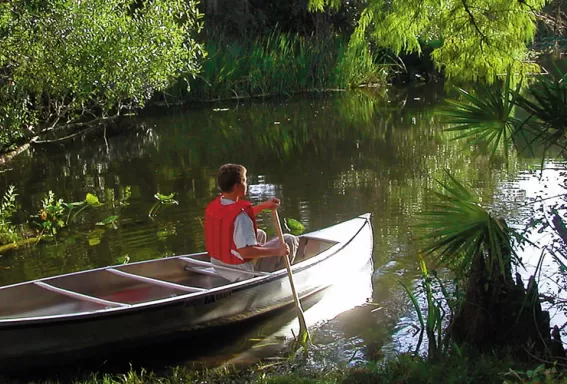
(295,226)
(107,221)
(95,236)
(161,197)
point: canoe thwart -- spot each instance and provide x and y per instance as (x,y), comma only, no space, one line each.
(150,280)
(202,270)
(208,264)
(79,296)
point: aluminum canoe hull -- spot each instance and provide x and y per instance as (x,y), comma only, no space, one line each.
(42,337)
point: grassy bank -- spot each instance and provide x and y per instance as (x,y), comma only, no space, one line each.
(280,63)
(405,368)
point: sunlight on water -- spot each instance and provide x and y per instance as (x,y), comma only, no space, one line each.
(354,290)
(547,188)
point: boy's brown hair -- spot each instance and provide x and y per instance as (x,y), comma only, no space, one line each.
(229,175)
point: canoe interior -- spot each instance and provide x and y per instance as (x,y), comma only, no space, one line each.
(119,286)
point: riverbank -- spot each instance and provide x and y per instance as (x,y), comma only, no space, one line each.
(457,367)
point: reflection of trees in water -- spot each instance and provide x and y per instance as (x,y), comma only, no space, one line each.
(328,156)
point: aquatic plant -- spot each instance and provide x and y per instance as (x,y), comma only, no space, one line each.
(108,221)
(90,201)
(293,226)
(161,201)
(55,214)
(50,217)
(431,319)
(124,259)
(8,207)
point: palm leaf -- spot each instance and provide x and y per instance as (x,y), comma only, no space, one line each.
(458,228)
(486,119)
(546,103)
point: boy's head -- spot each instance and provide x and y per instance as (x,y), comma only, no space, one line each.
(230,175)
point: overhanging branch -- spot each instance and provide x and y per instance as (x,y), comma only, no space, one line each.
(474,23)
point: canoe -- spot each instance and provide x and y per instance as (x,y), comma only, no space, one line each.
(150,300)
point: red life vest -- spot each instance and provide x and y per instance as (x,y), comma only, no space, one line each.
(219,229)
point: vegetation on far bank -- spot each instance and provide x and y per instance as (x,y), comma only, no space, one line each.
(282,63)
(66,67)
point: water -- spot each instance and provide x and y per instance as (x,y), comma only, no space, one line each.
(328,157)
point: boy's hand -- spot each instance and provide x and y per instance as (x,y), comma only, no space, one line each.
(272,203)
(282,250)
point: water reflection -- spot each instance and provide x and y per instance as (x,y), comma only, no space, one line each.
(535,190)
(354,290)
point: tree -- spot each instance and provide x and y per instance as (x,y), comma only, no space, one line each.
(472,39)
(68,61)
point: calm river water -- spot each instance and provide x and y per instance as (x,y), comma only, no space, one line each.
(328,157)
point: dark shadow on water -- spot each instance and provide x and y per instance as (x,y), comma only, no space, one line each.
(205,348)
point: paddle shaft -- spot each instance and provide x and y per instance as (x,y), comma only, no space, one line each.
(300,316)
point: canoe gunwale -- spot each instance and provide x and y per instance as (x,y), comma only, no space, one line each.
(183,299)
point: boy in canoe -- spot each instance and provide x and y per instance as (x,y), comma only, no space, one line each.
(232,237)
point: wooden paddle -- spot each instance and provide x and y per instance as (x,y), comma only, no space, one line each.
(303,336)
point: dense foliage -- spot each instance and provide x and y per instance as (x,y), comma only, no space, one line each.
(64,61)
(280,63)
(472,39)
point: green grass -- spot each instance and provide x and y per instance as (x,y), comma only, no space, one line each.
(456,367)
(280,63)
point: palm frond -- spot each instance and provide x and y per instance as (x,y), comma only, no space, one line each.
(546,103)
(486,119)
(459,228)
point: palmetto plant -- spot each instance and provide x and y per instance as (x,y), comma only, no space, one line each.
(485,118)
(458,229)
(474,243)
(546,104)
(489,116)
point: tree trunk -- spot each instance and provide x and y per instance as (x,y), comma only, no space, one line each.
(499,312)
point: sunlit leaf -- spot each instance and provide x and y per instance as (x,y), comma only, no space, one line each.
(107,221)
(95,236)
(166,199)
(122,260)
(161,197)
(92,200)
(295,227)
